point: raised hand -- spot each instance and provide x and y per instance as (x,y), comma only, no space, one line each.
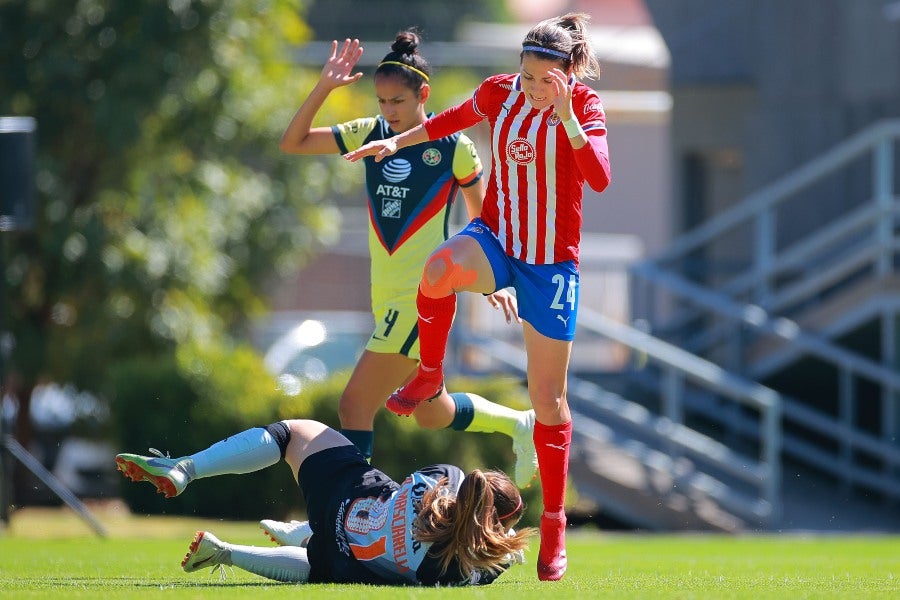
(562,101)
(338,70)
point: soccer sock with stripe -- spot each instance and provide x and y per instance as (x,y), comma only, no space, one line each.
(476,413)
(552,445)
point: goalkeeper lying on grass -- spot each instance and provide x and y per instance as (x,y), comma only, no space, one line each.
(437,527)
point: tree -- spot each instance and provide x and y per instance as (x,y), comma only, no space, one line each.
(164,202)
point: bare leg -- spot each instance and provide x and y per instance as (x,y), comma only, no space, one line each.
(548,368)
(375,376)
(309,437)
(465,254)
(548,363)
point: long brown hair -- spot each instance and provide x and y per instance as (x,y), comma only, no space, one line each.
(474,524)
(567,40)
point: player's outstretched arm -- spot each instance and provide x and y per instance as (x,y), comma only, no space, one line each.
(381,149)
(301,137)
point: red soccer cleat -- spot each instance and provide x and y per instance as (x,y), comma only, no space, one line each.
(405,400)
(554,570)
(552,560)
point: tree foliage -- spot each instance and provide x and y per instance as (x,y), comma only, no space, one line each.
(164,203)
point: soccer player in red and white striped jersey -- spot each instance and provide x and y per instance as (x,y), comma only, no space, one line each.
(548,138)
(409,199)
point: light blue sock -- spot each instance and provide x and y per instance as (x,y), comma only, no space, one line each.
(245,452)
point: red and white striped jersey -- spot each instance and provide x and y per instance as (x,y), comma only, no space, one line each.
(533,198)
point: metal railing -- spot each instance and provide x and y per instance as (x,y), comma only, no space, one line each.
(762,300)
(752,302)
(783,277)
(680,368)
(668,430)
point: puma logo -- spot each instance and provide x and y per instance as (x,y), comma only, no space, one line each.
(555,446)
(425,319)
(565,320)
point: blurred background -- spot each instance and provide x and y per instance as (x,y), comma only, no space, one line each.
(168,277)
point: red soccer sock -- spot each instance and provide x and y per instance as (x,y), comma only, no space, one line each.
(435,319)
(552,445)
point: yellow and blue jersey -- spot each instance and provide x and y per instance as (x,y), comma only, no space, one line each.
(410,195)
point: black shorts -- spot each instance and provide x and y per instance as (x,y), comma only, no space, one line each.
(330,481)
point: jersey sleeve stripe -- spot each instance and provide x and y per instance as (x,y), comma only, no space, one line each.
(339,139)
(471,179)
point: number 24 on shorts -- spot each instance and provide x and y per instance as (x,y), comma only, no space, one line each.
(564,291)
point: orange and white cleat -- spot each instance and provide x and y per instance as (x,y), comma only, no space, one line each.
(161,471)
(206,551)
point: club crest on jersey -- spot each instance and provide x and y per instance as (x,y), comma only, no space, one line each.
(431,157)
(396,170)
(520,151)
(553,120)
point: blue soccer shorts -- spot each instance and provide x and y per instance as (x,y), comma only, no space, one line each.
(547,294)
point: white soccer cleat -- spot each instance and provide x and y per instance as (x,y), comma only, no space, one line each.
(161,471)
(206,551)
(523,447)
(517,557)
(291,533)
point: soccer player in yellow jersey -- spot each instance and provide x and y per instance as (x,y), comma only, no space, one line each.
(409,201)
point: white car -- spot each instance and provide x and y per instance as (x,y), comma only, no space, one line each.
(310,346)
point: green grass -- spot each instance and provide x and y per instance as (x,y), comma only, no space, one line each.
(51,554)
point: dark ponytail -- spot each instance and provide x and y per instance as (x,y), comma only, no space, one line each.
(405,62)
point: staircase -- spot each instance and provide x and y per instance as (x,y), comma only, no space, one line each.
(762,390)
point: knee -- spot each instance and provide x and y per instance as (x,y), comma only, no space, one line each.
(434,271)
(549,404)
(294,426)
(300,432)
(436,282)
(443,276)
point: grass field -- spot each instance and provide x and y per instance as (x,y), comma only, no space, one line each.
(51,554)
